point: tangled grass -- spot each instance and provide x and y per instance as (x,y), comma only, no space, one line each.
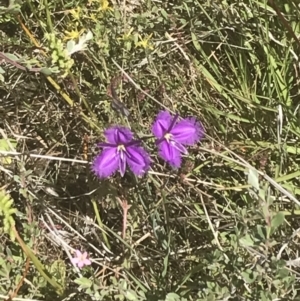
(222,227)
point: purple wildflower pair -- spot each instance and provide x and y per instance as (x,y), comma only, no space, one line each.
(121,149)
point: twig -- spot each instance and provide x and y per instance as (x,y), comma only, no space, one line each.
(81,236)
(138,87)
(17,65)
(284,21)
(15,293)
(11,153)
(125,207)
(244,163)
(55,85)
(59,238)
(17,299)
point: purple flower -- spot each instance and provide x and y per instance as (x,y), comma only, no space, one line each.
(119,151)
(81,259)
(173,135)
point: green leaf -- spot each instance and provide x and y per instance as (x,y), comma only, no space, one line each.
(166,264)
(253,178)
(58,270)
(46,71)
(247,240)
(195,41)
(7,145)
(40,267)
(164,14)
(277,220)
(12,57)
(261,231)
(249,276)
(131,295)
(172,297)
(84,282)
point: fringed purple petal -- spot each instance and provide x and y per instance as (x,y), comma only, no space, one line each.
(170,154)
(138,160)
(161,124)
(122,163)
(118,135)
(106,163)
(179,146)
(188,131)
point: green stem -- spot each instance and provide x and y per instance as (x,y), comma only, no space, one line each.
(49,21)
(86,104)
(100,223)
(39,266)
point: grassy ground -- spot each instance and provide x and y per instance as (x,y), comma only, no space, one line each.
(222,227)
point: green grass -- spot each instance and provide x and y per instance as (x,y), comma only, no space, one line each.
(222,227)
